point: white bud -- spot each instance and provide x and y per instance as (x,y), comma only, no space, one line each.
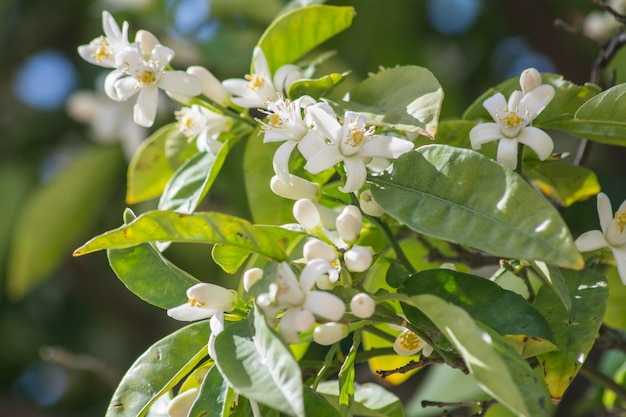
(251,277)
(448,265)
(181,404)
(348,224)
(408,343)
(203,301)
(358,258)
(316,249)
(362,305)
(369,205)
(211,86)
(529,80)
(307,215)
(298,189)
(323,282)
(329,333)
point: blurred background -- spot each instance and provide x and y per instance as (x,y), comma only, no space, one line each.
(68,328)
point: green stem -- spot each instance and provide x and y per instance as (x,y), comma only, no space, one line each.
(328,360)
(400,255)
(520,157)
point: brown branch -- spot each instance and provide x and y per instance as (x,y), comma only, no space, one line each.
(422,362)
(610,338)
(484,406)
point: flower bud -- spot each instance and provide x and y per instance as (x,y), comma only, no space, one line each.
(204,300)
(307,215)
(369,205)
(348,224)
(316,249)
(362,305)
(324,282)
(251,277)
(358,258)
(211,86)
(298,189)
(408,343)
(529,80)
(329,333)
(181,404)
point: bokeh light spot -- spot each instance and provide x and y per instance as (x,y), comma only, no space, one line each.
(45,80)
(453,17)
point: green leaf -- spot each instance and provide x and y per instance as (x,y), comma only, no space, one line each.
(229,257)
(57,214)
(552,276)
(156,368)
(504,311)
(370,399)
(575,330)
(154,163)
(498,369)
(566,184)
(567,99)
(460,196)
(151,277)
(315,88)
(193,180)
(347,374)
(407,98)
(169,226)
(257,364)
(215,397)
(290,36)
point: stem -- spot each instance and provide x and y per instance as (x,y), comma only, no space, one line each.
(328,360)
(400,255)
(520,157)
(595,376)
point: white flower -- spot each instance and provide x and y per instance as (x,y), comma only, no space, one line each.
(211,87)
(204,125)
(301,301)
(285,124)
(297,188)
(612,236)
(512,122)
(408,344)
(351,144)
(306,213)
(204,301)
(102,50)
(317,249)
(362,305)
(251,277)
(358,258)
(529,80)
(328,333)
(348,224)
(259,88)
(141,68)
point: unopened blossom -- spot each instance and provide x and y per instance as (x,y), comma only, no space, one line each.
(329,333)
(369,206)
(306,213)
(297,188)
(351,144)
(204,125)
(204,300)
(102,50)
(251,277)
(317,249)
(349,224)
(408,344)
(362,305)
(182,403)
(285,123)
(529,80)
(141,68)
(260,88)
(212,88)
(612,234)
(512,124)
(358,258)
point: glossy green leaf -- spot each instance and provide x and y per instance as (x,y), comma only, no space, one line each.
(150,276)
(229,258)
(575,330)
(154,163)
(156,368)
(215,397)
(193,180)
(56,215)
(504,311)
(567,99)
(566,184)
(553,277)
(257,364)
(347,374)
(315,88)
(290,36)
(407,98)
(460,196)
(498,369)
(169,226)
(370,400)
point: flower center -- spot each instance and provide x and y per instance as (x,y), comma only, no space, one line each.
(620,220)
(195,303)
(254,81)
(103,52)
(148,77)
(410,341)
(510,119)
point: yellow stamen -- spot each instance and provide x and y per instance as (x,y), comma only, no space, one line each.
(103,52)
(195,303)
(147,77)
(255,82)
(620,219)
(410,341)
(511,119)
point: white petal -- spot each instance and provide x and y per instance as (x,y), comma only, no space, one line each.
(285,76)
(605,211)
(537,140)
(310,144)
(324,159)
(162,55)
(529,80)
(109,84)
(312,271)
(615,235)
(495,103)
(514,100)
(325,305)
(290,291)
(181,83)
(534,102)
(146,106)
(147,41)
(259,62)
(355,174)
(620,261)
(281,160)
(385,147)
(592,240)
(126,87)
(484,133)
(507,153)
(287,325)
(327,125)
(211,86)
(213,296)
(236,86)
(187,312)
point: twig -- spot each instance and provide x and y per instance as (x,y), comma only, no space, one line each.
(611,338)
(484,405)
(422,362)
